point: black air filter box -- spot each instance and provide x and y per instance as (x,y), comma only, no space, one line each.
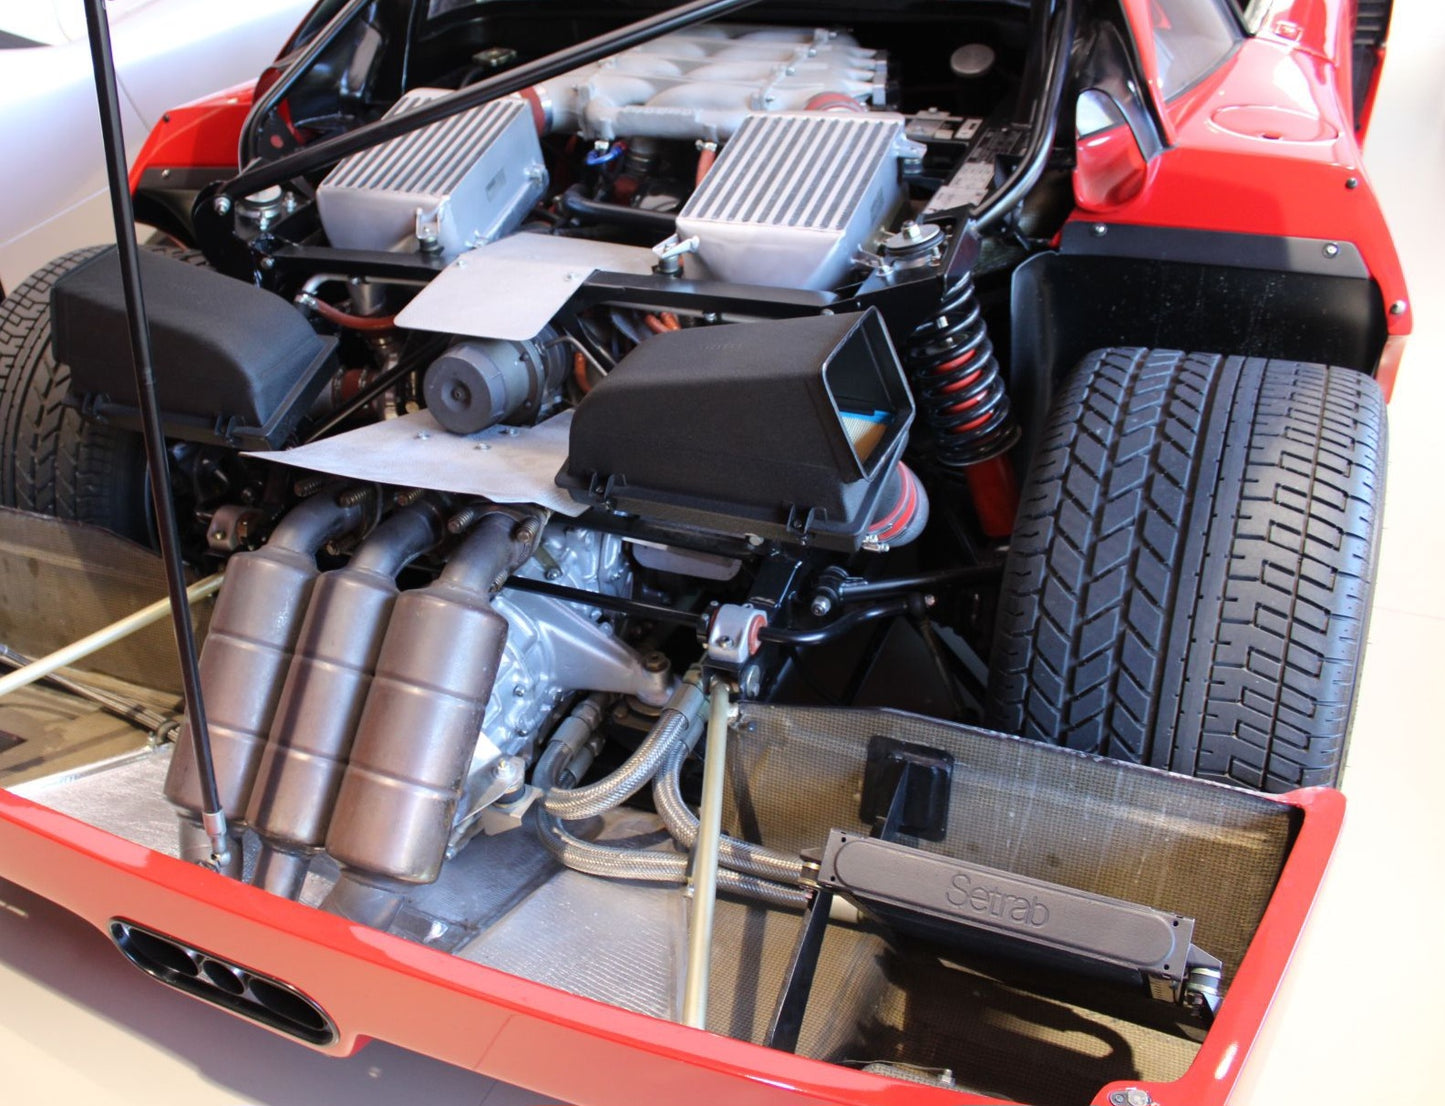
(233,364)
(786,429)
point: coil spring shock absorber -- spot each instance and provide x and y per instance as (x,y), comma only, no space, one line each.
(960,390)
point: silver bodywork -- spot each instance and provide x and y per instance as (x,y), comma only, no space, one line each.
(167,52)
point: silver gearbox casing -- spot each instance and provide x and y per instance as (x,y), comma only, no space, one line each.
(796,196)
(457,183)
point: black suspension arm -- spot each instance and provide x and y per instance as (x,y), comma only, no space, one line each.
(213,818)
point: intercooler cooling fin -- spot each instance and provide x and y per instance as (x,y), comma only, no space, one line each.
(795,196)
(459,182)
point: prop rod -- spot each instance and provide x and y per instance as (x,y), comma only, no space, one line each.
(212,817)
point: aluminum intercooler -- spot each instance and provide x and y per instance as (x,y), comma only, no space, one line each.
(450,186)
(794,197)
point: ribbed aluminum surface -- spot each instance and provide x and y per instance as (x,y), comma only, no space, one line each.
(433,160)
(809,172)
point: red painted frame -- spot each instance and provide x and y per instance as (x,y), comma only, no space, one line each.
(376,986)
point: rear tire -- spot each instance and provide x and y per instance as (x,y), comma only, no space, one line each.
(1189,581)
(52,461)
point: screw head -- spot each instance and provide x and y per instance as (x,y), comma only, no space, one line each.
(1352,183)
(1098,230)
(1399,307)
(221,205)
(750,681)
(821,605)
(1332,249)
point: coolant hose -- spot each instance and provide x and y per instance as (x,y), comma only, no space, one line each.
(741,856)
(683,711)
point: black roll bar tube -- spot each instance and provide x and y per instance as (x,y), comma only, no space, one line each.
(212,816)
(332,150)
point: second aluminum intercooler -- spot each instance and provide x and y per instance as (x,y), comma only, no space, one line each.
(795,197)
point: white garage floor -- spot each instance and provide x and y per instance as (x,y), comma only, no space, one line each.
(1358,1020)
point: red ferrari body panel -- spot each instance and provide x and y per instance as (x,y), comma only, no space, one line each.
(1262,145)
(200,135)
(374,985)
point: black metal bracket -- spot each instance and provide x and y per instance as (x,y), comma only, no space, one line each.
(905,789)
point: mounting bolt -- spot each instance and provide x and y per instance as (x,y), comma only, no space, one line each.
(655,662)
(462,519)
(553,573)
(750,681)
(1352,183)
(527,530)
(353,497)
(221,205)
(1098,230)
(821,605)
(1332,249)
(1131,1096)
(308,486)
(1398,307)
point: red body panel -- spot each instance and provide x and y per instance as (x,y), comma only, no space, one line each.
(374,985)
(1263,145)
(203,134)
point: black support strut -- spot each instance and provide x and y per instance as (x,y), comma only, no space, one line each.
(213,818)
(319,155)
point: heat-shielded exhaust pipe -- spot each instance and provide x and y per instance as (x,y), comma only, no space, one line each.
(419,727)
(244,663)
(321,701)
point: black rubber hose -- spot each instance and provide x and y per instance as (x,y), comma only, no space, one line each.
(574,202)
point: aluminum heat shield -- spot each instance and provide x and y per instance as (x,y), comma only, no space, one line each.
(459,182)
(796,196)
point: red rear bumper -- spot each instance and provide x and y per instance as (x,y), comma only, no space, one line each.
(374,985)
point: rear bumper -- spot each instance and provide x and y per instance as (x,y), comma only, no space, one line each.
(376,986)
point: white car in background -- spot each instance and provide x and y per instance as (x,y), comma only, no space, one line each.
(52,175)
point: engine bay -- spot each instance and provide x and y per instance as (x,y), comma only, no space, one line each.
(616,519)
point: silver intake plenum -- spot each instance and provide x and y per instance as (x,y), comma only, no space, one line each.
(447,187)
(701,82)
(310,738)
(795,198)
(245,659)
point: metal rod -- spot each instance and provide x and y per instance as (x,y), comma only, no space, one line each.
(705,861)
(131,710)
(851,590)
(318,155)
(106,635)
(636,607)
(1056,36)
(212,816)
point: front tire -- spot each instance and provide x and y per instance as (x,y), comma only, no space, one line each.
(1189,581)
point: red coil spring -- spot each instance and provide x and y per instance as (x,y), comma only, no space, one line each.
(960,391)
(957,381)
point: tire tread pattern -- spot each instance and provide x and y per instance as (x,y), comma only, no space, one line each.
(52,461)
(1189,580)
